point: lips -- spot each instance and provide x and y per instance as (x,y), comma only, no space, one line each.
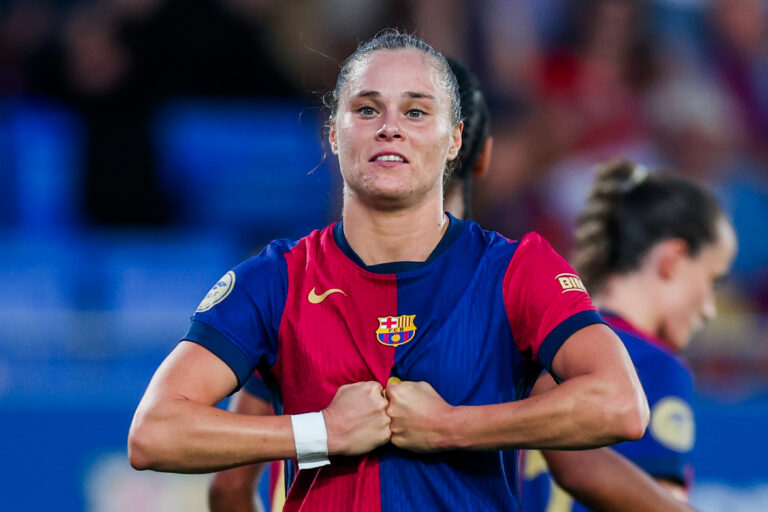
(388,156)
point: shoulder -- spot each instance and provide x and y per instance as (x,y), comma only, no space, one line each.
(654,360)
(273,257)
(530,244)
(262,277)
(533,244)
(534,257)
(661,372)
(475,233)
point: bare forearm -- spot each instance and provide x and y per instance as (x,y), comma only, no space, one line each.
(583,412)
(183,436)
(612,482)
(234,490)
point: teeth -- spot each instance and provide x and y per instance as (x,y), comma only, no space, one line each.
(390,158)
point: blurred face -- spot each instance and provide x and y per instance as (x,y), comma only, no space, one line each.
(393,131)
(690,295)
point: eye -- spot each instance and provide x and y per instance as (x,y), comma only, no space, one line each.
(367,111)
(415,113)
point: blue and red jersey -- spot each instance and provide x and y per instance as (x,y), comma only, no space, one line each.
(664,451)
(477,320)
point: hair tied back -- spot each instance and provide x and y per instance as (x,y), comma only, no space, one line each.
(636,177)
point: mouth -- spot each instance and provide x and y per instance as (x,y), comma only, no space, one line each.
(388,157)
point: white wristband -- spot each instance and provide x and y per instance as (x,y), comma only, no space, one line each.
(311,439)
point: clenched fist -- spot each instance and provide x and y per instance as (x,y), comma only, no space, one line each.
(421,419)
(356,419)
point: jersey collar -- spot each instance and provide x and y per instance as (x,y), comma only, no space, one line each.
(455,228)
(618,322)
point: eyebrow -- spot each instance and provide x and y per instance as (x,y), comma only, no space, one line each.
(406,94)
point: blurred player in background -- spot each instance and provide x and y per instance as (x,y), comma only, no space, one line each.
(234,490)
(651,247)
(457,323)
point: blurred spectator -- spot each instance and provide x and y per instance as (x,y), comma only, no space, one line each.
(202,48)
(117,60)
(740,50)
(588,107)
(26,26)
(92,70)
(591,83)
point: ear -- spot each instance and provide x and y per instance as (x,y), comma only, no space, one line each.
(483,162)
(667,257)
(453,151)
(332,138)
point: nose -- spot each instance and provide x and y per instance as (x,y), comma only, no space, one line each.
(389,129)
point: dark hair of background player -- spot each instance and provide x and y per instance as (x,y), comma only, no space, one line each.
(629,211)
(474,112)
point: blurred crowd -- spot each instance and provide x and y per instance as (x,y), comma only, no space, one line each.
(680,84)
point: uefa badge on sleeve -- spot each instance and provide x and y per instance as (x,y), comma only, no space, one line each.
(396,330)
(218,293)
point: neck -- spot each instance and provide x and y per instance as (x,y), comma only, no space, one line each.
(454,201)
(623,295)
(384,236)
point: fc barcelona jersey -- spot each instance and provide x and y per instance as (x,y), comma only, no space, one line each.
(664,451)
(477,320)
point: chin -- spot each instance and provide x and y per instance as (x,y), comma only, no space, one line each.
(681,340)
(388,190)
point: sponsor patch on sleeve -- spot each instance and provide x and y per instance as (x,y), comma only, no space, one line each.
(570,283)
(218,293)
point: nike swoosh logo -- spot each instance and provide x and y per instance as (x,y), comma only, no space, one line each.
(317,299)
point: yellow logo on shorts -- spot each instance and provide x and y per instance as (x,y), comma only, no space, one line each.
(570,283)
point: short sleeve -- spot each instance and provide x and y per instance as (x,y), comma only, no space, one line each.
(545,300)
(665,449)
(239,318)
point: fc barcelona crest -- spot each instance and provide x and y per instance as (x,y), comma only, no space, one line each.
(396,330)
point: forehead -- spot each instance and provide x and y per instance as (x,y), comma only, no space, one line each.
(394,72)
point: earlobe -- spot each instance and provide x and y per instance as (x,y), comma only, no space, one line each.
(332,140)
(670,254)
(456,145)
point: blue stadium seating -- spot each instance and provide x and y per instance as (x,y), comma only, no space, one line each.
(40,168)
(245,167)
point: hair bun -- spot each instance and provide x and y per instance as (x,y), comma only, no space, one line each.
(636,177)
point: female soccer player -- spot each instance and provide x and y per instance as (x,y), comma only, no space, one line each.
(234,490)
(463,317)
(651,247)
